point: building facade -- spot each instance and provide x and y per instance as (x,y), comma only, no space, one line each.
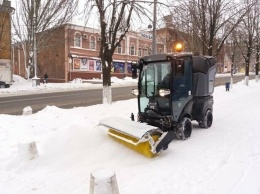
(5,43)
(72,51)
(5,29)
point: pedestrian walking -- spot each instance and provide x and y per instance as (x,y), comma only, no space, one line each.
(227,86)
(46,78)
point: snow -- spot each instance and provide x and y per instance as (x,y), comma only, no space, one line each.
(70,146)
(22,86)
(126,125)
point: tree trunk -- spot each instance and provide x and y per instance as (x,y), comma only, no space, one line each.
(107,92)
(107,95)
(109,37)
(257,64)
(247,72)
(248,55)
(106,70)
(26,66)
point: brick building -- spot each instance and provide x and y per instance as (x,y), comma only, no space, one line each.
(71,51)
(5,29)
(5,43)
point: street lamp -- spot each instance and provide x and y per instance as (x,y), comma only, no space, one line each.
(232,68)
(154,27)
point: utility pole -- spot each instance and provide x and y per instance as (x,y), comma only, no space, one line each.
(35,80)
(34,41)
(232,67)
(154,49)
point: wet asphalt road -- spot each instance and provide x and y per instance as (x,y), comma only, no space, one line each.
(77,98)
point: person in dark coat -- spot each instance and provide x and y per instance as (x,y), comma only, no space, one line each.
(46,78)
(167,79)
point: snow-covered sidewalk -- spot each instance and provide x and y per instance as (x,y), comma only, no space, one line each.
(71,145)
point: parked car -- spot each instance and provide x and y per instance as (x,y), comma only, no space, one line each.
(4,85)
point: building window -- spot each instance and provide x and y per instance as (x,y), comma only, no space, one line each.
(132,51)
(140,52)
(119,49)
(160,50)
(145,50)
(77,40)
(92,42)
(150,50)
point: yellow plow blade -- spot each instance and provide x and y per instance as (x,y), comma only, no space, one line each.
(143,148)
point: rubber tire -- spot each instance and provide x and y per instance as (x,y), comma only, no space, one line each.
(184,129)
(2,86)
(207,120)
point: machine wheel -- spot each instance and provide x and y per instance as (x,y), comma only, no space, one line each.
(207,120)
(184,129)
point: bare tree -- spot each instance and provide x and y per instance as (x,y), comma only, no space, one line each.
(114,19)
(209,21)
(257,41)
(257,49)
(248,36)
(39,15)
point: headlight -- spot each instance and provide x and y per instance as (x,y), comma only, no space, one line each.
(164,92)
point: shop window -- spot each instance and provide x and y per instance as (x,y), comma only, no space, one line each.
(76,64)
(98,66)
(91,65)
(77,40)
(92,42)
(118,67)
(129,68)
(84,64)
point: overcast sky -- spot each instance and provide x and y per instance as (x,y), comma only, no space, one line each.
(161,11)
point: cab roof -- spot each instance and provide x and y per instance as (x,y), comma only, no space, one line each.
(164,56)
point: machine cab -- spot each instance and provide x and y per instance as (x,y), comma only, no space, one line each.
(165,85)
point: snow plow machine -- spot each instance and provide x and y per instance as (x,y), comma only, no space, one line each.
(173,89)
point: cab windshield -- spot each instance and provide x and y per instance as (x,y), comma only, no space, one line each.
(154,76)
(175,77)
